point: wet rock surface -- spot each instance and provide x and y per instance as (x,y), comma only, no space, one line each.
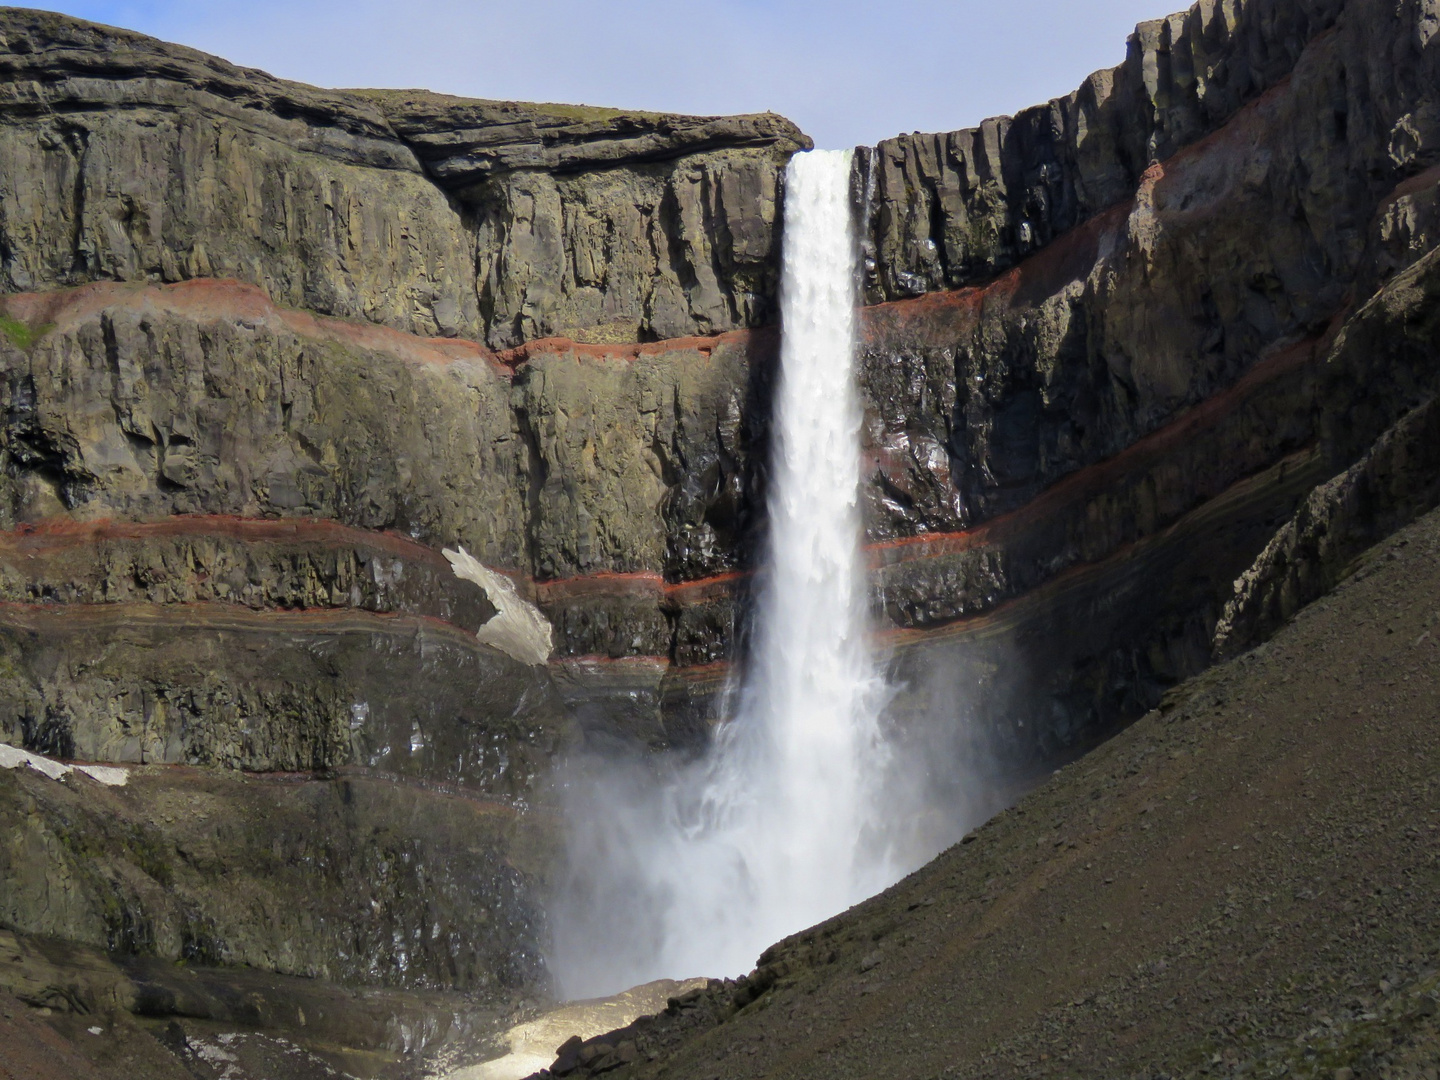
(531,1044)
(1043,677)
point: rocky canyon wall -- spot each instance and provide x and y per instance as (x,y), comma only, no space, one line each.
(1083,451)
(269,350)
(129,159)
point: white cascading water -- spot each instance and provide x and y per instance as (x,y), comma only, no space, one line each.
(766,835)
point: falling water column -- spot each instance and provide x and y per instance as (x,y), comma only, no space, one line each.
(766,835)
(799,762)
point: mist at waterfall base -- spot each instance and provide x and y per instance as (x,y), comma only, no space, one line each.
(806,801)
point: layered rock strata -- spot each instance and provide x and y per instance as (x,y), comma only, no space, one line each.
(949,209)
(129,159)
(1194,336)
(1138,367)
(268,351)
(1204,340)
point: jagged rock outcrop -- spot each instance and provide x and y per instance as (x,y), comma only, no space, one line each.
(605,226)
(262,564)
(1194,343)
(1390,349)
(1398,480)
(950,209)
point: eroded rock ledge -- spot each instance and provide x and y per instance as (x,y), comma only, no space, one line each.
(463,141)
(591,223)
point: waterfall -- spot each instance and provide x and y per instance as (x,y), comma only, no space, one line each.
(792,768)
(765,836)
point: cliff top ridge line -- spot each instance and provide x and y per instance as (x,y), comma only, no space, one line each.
(465,140)
(44,56)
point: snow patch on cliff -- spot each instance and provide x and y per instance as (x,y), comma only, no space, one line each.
(12,757)
(518,628)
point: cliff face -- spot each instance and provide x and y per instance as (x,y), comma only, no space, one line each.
(268,350)
(1085,451)
(128,159)
(1139,403)
(948,210)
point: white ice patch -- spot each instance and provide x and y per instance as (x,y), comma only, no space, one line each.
(12,757)
(518,629)
(109,775)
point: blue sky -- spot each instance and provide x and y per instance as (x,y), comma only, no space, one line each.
(848,72)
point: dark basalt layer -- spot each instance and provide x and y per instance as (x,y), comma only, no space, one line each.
(953,208)
(1244,243)
(264,565)
(1394,483)
(576,460)
(223,686)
